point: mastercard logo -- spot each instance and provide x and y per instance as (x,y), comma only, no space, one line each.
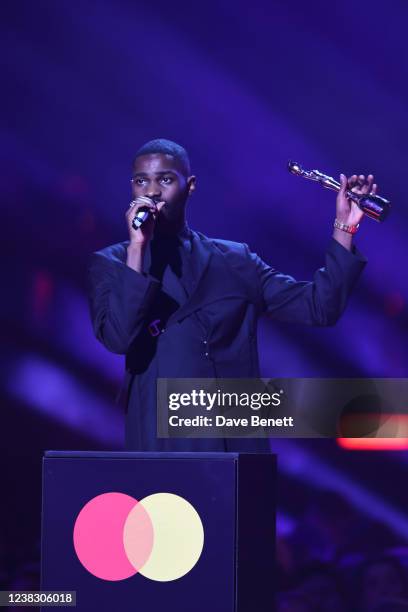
(160,536)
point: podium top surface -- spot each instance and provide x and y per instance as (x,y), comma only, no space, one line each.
(140,455)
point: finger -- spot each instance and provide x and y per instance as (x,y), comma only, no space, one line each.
(366,188)
(343,183)
(144,200)
(135,207)
(352,180)
(160,205)
(369,184)
(374,189)
(131,210)
(359,184)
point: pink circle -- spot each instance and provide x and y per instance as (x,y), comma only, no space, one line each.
(98,536)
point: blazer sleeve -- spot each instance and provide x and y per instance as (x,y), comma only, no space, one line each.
(317,302)
(119,300)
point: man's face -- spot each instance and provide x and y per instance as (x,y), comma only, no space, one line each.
(161,177)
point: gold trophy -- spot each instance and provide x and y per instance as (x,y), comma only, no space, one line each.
(372,205)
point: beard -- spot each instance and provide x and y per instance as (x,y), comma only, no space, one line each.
(172,212)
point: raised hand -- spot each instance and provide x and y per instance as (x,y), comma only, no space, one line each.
(347,211)
(142,235)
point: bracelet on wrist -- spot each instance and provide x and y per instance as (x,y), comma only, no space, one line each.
(350,229)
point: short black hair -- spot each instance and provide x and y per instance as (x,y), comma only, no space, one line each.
(166,147)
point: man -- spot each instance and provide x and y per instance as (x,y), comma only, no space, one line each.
(181,305)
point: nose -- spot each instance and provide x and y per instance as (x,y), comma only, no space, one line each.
(153,192)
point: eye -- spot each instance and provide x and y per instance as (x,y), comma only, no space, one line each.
(166,180)
(138,181)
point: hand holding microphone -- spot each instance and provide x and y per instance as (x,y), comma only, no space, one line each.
(141,217)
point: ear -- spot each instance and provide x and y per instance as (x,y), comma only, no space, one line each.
(191,182)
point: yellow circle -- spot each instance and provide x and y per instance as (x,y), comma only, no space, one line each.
(178,537)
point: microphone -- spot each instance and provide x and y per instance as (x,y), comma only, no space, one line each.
(141,216)
(143,213)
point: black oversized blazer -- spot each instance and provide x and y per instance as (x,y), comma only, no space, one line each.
(213,334)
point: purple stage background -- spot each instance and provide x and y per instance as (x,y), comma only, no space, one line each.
(244,87)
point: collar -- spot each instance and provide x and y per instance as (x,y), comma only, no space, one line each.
(184,236)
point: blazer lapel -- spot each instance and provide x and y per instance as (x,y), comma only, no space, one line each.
(221,285)
(202,259)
